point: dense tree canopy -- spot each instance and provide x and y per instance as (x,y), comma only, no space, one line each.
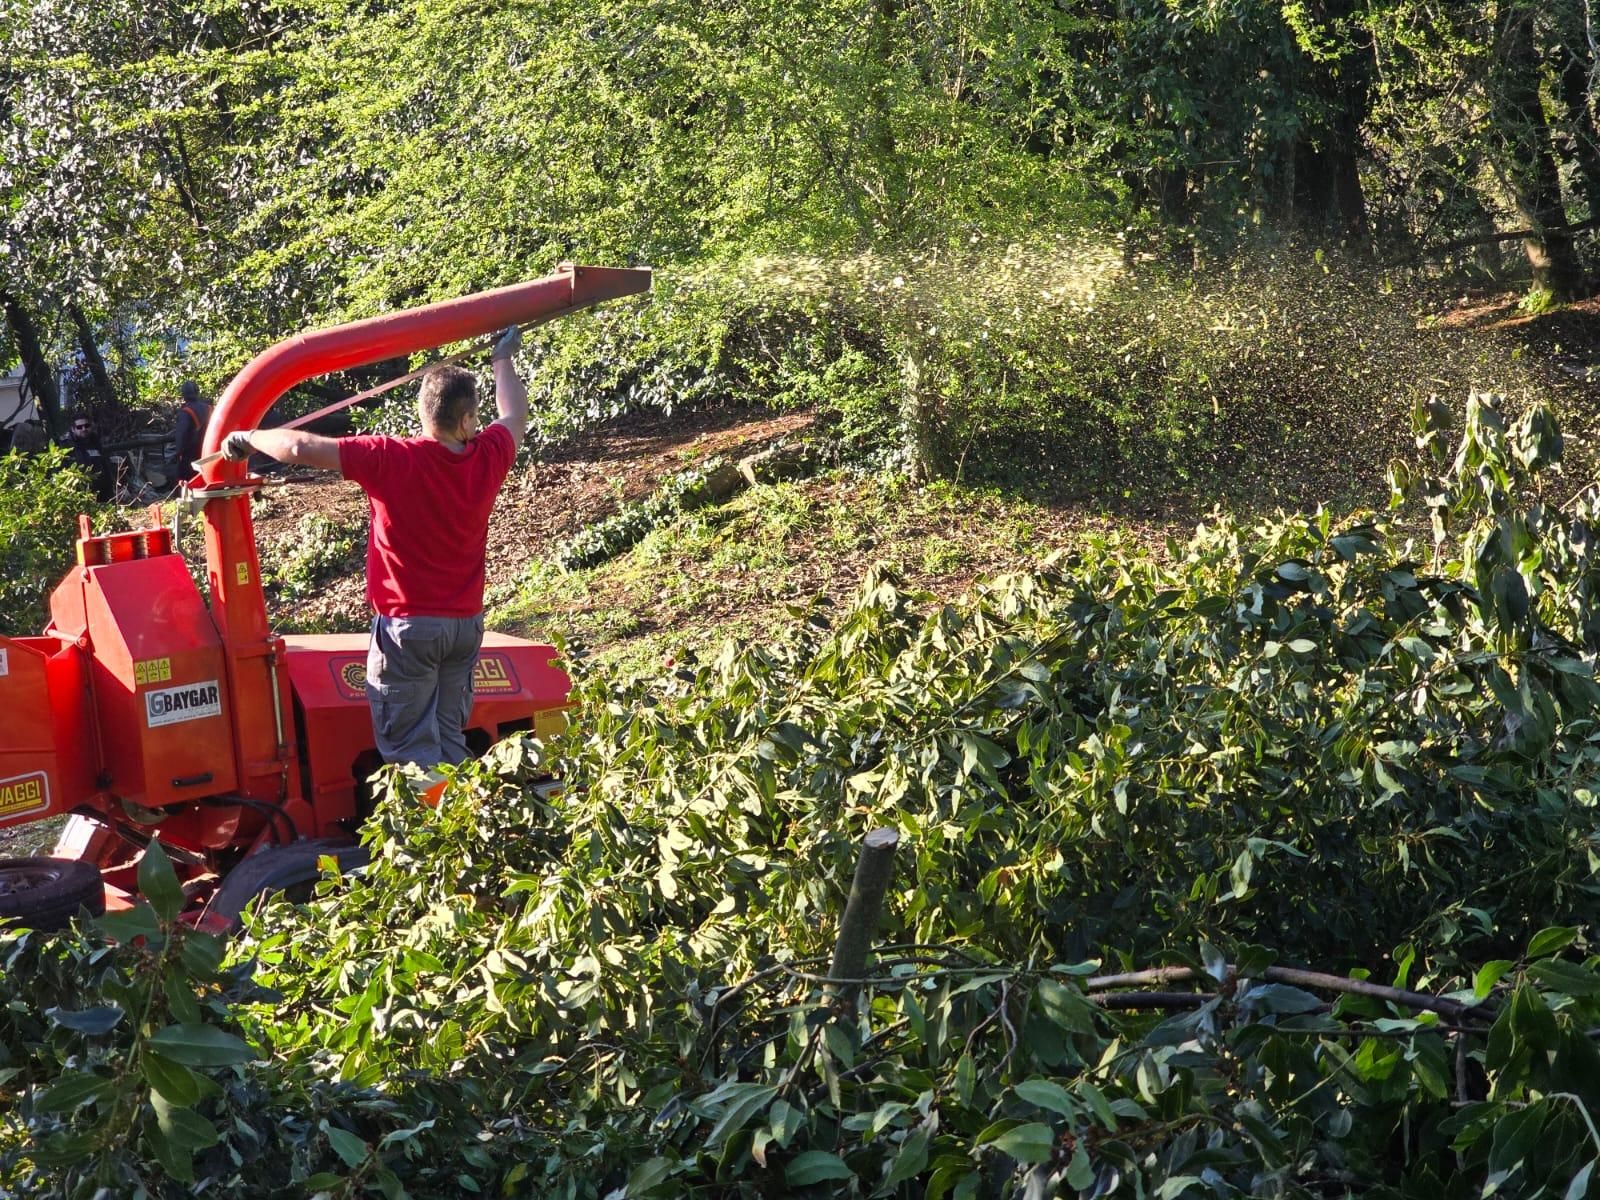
(230,173)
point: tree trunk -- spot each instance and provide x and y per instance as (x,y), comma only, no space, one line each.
(105,393)
(1172,192)
(34,364)
(893,205)
(922,423)
(1524,136)
(1328,184)
(1575,68)
(1327,178)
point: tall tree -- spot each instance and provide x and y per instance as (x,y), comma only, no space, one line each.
(115,160)
(1337,77)
(1575,80)
(35,362)
(1522,132)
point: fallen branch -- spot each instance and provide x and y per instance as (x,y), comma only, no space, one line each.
(1485,239)
(1442,1005)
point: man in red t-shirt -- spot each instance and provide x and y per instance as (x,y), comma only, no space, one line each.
(430,498)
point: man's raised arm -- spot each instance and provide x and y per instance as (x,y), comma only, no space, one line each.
(510,393)
(287,446)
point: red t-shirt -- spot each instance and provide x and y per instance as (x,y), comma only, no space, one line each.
(430,519)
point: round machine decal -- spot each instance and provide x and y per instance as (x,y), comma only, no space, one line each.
(349,677)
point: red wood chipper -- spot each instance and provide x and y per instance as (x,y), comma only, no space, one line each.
(147,712)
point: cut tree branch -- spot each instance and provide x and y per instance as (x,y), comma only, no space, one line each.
(1442,1005)
(1489,238)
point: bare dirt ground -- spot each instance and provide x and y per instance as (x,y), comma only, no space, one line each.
(542,503)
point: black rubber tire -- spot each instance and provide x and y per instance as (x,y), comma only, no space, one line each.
(276,869)
(46,893)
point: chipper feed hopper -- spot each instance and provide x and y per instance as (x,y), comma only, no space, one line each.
(148,711)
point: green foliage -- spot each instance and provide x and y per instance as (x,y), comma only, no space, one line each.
(914,142)
(1019,358)
(680,493)
(40,499)
(321,549)
(126,1074)
(1299,744)
(1537,300)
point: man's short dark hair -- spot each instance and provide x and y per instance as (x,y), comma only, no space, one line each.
(190,390)
(446,396)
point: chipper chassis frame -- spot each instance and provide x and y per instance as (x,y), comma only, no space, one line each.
(147,711)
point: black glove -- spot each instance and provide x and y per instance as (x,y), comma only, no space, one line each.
(236,446)
(508,343)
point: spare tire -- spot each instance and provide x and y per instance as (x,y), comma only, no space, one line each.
(46,893)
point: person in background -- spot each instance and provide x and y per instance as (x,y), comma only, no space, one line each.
(189,431)
(430,500)
(30,438)
(83,450)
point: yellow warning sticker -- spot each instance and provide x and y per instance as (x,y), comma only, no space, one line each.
(24,794)
(241,572)
(151,670)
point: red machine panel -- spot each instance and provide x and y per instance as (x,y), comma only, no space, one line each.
(157,679)
(46,746)
(515,683)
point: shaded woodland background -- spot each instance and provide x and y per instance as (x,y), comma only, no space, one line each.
(898,208)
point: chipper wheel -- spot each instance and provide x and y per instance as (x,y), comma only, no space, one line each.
(46,893)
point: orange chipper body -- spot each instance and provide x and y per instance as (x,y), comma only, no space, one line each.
(149,713)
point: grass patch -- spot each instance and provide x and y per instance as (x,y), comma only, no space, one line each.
(736,569)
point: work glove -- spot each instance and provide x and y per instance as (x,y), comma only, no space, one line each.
(236,446)
(508,343)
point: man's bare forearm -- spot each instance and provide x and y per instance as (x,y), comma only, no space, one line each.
(510,398)
(293,446)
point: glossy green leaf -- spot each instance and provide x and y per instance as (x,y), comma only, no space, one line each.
(1552,940)
(102,1018)
(648,1175)
(158,883)
(1560,976)
(1043,1093)
(815,1166)
(174,1160)
(1065,1007)
(174,1082)
(743,1103)
(1488,975)
(352,1151)
(1578,1188)
(201,1046)
(1029,1143)
(910,1159)
(1080,1172)
(72,1090)
(184,1128)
